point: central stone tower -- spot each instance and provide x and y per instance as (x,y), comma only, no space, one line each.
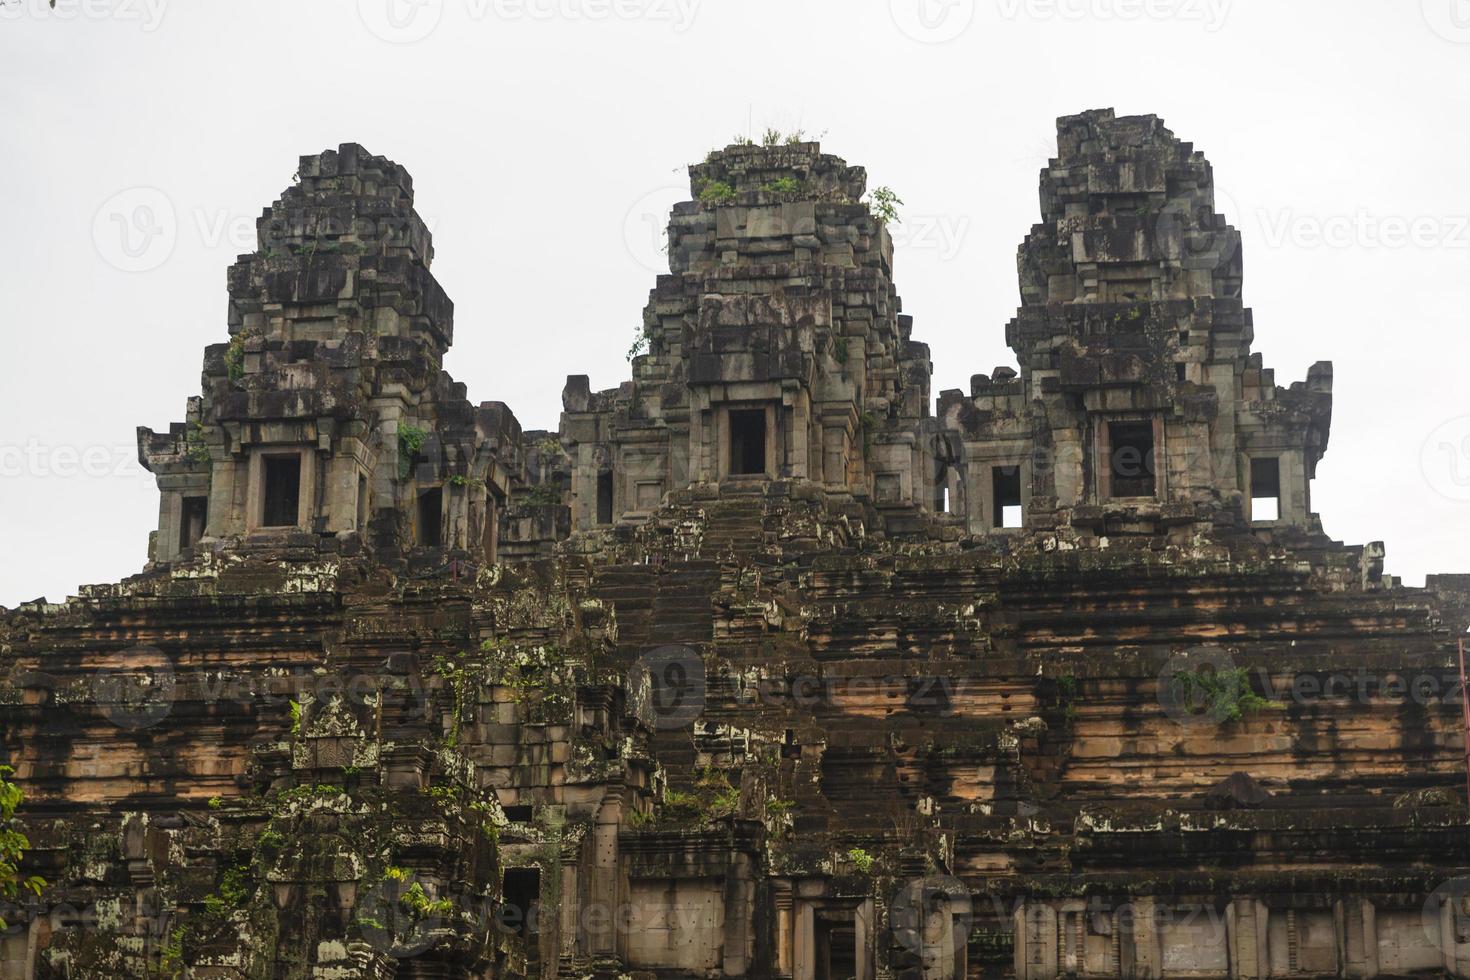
(775,349)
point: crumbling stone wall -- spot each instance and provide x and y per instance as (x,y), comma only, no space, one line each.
(337,336)
(796,723)
(779,301)
(1132,313)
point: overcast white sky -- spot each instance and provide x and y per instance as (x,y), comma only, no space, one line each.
(547,137)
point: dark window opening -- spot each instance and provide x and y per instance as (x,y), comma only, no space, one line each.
(282,505)
(836,947)
(789,747)
(192,518)
(1184,338)
(431,517)
(520,893)
(604,498)
(490,540)
(1179,371)
(748,442)
(519,814)
(941,488)
(1131,462)
(1266,489)
(1005,484)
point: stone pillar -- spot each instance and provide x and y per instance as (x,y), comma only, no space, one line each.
(1456,953)
(864,939)
(785,927)
(1245,931)
(1148,953)
(1035,928)
(1357,937)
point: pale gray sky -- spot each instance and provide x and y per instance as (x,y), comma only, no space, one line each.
(546,138)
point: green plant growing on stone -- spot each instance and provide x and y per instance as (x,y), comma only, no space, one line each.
(542,495)
(716,192)
(861,860)
(235,354)
(1225,695)
(417,901)
(639,345)
(13,845)
(411,440)
(472,482)
(171,953)
(883,204)
(740,140)
(839,349)
(782,185)
(295,708)
(234,891)
(195,448)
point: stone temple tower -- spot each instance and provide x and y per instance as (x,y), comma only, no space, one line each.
(775,349)
(1139,407)
(327,424)
(756,669)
